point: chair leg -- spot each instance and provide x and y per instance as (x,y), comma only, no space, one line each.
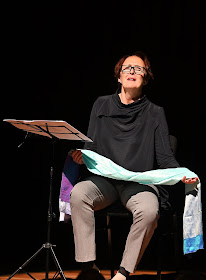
(159,252)
(175,240)
(109,235)
(159,274)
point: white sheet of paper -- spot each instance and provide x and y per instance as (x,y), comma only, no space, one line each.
(59,129)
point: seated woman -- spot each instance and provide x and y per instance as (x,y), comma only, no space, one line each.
(131,131)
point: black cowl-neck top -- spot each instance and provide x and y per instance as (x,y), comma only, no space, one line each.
(135,136)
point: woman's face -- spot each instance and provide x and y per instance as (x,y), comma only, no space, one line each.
(132,77)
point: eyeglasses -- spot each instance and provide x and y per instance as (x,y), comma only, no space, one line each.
(137,69)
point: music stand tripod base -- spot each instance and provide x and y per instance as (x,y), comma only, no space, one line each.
(44,246)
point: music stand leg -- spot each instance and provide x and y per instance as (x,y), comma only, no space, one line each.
(57,264)
(26,262)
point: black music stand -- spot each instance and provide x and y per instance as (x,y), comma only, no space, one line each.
(54,130)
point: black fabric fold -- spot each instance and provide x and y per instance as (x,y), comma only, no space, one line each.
(113,107)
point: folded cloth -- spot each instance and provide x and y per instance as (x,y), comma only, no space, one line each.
(70,176)
(192,218)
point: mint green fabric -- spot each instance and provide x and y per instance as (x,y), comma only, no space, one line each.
(192,217)
(103,166)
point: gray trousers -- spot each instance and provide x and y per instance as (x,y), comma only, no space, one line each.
(97,193)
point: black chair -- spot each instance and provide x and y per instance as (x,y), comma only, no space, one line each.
(118,210)
(167,215)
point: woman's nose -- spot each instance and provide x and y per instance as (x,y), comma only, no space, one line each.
(132,71)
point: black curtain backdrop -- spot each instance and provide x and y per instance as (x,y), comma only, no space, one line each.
(57,59)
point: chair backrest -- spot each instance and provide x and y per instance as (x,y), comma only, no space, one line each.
(173,143)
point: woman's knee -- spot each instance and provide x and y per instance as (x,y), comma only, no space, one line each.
(147,210)
(78,194)
(149,216)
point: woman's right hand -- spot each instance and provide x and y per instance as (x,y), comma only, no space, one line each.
(77,156)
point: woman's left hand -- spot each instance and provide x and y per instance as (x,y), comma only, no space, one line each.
(189,181)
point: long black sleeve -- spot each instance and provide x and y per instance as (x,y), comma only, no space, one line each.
(164,155)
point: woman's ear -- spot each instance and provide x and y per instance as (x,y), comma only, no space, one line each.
(119,81)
